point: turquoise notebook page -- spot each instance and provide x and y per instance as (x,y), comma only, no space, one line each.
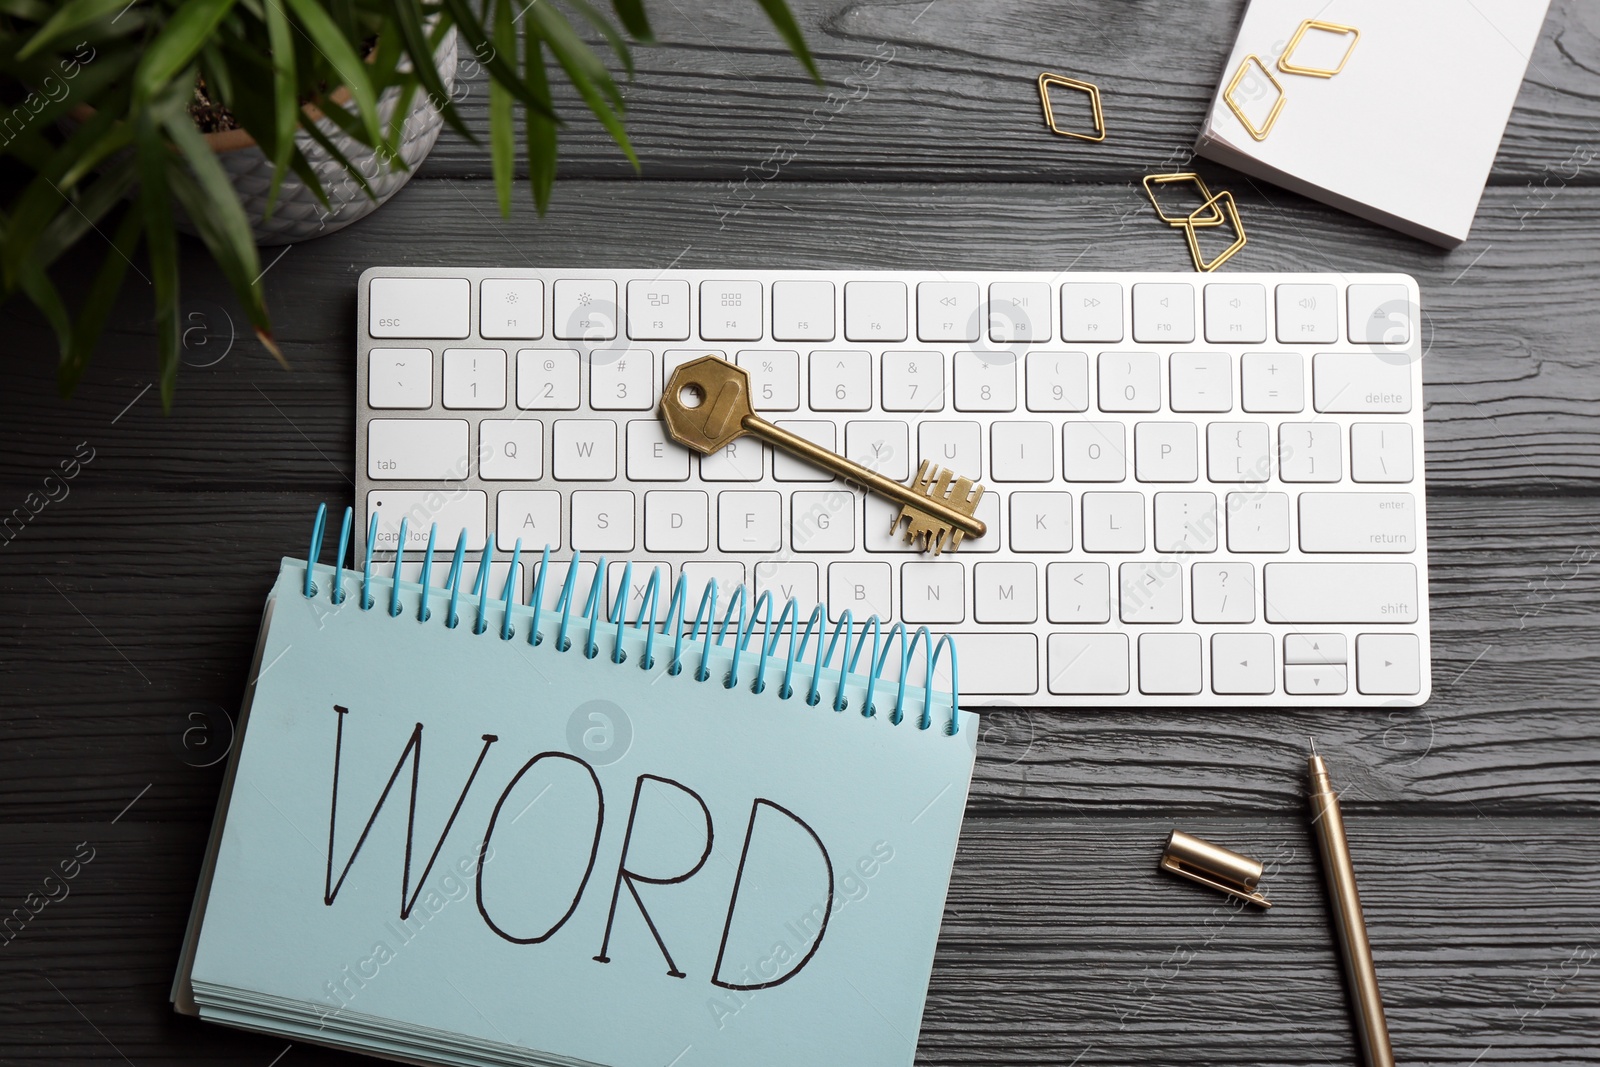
(783,867)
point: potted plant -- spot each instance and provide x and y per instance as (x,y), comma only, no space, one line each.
(318,109)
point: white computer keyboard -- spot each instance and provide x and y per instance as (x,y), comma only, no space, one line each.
(1201,491)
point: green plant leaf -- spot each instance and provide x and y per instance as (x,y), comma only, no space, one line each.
(783,20)
(632,15)
(472,28)
(285,95)
(88,209)
(608,31)
(408,16)
(502,146)
(98,302)
(69,18)
(342,57)
(47,298)
(578,61)
(155,201)
(175,47)
(541,133)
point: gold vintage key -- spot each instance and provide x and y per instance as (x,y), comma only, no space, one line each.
(706,404)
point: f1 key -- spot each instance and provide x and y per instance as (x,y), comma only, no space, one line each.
(706,404)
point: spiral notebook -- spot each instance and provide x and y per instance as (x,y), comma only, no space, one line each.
(459,829)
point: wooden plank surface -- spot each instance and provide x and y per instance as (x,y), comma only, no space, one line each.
(131,603)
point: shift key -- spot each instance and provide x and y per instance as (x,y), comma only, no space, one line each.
(1341,592)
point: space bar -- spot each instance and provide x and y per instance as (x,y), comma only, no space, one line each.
(1341,592)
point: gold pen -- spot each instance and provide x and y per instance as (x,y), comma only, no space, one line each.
(1359,975)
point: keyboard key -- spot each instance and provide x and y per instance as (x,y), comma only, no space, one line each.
(1273,381)
(947,311)
(879,446)
(622,379)
(774,378)
(1151,592)
(749,521)
(956,446)
(658,310)
(475,378)
(499,571)
(1315,648)
(1058,381)
(653,456)
(989,514)
(1170,664)
(1242,664)
(421,508)
(1238,452)
(602,520)
(1389,664)
(1022,451)
(511,450)
(1186,522)
(1308,314)
(418,450)
(874,311)
(787,468)
(788,580)
(841,381)
(547,379)
(1019,312)
(638,583)
(802,311)
(823,521)
(1005,592)
(1041,522)
(585,309)
(673,358)
(1380,452)
(1201,381)
(400,378)
(933,592)
(1093,452)
(1340,592)
(861,589)
(1113,522)
(677,520)
(877,535)
(1360,382)
(1163,312)
(1258,522)
(728,574)
(1089,664)
(913,381)
(1379,314)
(1091,311)
(1223,592)
(986,381)
(1166,452)
(419,307)
(511,308)
(556,580)
(1314,679)
(1309,452)
(999,663)
(744,460)
(1130,381)
(731,311)
(1078,592)
(1358,522)
(1236,314)
(585,450)
(531,514)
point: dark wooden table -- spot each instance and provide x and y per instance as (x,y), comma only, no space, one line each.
(129,604)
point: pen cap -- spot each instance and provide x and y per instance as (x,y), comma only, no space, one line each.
(1201,861)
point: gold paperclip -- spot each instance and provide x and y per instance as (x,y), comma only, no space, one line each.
(1224,198)
(1153,180)
(1318,72)
(1259,133)
(1046,80)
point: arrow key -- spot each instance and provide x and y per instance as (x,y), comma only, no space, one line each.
(1242,663)
(1321,649)
(1311,679)
(1389,664)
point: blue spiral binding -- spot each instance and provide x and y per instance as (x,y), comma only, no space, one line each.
(844,639)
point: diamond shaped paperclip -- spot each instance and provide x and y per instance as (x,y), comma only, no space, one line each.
(1093,91)
(1260,133)
(1224,198)
(1327,27)
(1153,180)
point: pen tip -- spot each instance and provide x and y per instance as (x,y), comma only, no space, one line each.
(1313,741)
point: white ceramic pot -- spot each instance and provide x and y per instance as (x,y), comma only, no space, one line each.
(298,215)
